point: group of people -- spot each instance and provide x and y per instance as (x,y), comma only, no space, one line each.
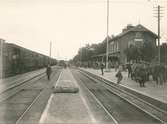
(141,72)
(138,71)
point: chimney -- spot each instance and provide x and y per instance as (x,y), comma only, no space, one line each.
(129,26)
(124,29)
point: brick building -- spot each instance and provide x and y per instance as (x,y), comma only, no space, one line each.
(135,35)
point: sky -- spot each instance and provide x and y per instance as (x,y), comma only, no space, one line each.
(70,24)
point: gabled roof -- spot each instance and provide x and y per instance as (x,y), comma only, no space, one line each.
(138,28)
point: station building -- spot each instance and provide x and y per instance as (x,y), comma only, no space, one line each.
(130,35)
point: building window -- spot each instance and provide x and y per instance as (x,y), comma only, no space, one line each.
(117,46)
(130,43)
(138,35)
(112,46)
(138,42)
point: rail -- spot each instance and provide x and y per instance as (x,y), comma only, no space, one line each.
(146,106)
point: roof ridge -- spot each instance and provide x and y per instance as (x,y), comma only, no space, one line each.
(135,28)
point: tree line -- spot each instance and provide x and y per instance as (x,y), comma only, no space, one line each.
(147,52)
(89,50)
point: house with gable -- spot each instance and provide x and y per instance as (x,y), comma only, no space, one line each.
(130,35)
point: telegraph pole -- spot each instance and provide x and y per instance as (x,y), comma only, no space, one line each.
(107,34)
(158,15)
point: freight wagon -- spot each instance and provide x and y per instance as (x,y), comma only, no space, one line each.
(17,60)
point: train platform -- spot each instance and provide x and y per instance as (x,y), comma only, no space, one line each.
(67,108)
(7,82)
(16,77)
(151,89)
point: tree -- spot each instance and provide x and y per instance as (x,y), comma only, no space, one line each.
(146,52)
(133,53)
(87,52)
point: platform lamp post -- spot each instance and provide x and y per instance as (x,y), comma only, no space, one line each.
(107,35)
(50,52)
(80,57)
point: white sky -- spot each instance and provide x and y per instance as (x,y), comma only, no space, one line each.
(70,24)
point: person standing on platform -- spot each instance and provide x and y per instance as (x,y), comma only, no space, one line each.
(129,70)
(119,75)
(48,71)
(102,68)
(141,76)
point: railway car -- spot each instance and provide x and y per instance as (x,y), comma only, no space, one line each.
(17,60)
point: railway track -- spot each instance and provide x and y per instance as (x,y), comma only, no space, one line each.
(10,88)
(122,105)
(23,96)
(16,86)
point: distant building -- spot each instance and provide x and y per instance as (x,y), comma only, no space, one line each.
(131,35)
